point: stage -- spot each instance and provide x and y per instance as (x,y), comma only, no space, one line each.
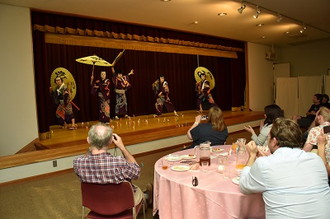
(139,130)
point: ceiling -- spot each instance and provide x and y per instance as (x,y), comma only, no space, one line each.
(202,16)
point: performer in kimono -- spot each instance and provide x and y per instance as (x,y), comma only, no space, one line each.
(121,83)
(102,89)
(204,96)
(161,90)
(61,94)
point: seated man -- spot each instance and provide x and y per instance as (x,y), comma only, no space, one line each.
(99,166)
(325,101)
(294,183)
(321,120)
(305,122)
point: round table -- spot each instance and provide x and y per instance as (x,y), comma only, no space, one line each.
(214,197)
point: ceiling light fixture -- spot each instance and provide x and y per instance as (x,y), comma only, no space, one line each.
(165,0)
(257,13)
(241,9)
(303,28)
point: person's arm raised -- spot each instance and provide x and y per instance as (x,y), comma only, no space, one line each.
(119,143)
(196,123)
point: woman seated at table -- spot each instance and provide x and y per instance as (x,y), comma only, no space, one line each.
(272,112)
(214,130)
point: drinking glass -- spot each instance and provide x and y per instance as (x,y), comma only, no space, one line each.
(163,163)
(234,147)
(204,165)
(226,172)
(241,141)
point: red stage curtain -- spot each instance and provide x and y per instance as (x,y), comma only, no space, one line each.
(178,69)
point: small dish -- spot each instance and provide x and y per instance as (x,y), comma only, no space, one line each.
(180,168)
(188,156)
(171,157)
(217,150)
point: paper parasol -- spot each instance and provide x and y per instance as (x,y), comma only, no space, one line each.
(207,73)
(93,60)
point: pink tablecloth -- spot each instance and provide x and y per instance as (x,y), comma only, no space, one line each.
(214,197)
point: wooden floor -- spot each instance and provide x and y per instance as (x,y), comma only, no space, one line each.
(64,142)
(141,128)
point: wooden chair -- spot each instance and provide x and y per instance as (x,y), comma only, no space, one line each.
(110,201)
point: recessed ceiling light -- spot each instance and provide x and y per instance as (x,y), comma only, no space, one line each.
(165,0)
(195,22)
(260,25)
(263,37)
(222,14)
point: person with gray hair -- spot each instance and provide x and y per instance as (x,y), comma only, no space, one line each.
(294,183)
(101,167)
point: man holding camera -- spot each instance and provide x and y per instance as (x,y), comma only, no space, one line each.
(101,167)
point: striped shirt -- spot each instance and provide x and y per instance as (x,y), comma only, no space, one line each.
(105,168)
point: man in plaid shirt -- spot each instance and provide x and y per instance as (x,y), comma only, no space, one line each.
(99,166)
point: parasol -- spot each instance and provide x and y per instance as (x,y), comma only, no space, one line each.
(93,60)
(207,73)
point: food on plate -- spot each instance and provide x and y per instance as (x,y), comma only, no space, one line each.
(217,150)
(171,157)
(180,168)
(188,156)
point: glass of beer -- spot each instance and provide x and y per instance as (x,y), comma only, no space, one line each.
(163,163)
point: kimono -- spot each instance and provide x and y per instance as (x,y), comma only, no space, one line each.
(162,91)
(204,96)
(121,85)
(102,89)
(64,113)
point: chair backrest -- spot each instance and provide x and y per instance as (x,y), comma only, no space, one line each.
(107,199)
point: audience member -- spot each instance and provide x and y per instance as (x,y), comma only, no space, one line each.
(305,122)
(325,101)
(99,166)
(294,183)
(214,130)
(322,151)
(272,112)
(321,120)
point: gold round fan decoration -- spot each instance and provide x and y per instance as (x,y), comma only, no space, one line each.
(67,79)
(199,71)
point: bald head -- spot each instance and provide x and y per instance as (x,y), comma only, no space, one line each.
(99,136)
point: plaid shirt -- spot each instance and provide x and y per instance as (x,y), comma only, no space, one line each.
(104,168)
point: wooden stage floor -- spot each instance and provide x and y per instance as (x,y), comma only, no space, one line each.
(65,143)
(141,128)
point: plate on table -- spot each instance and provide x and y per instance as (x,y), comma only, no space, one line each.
(235,180)
(173,158)
(188,156)
(217,150)
(180,168)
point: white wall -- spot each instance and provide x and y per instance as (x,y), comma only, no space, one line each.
(307,59)
(17,93)
(260,79)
